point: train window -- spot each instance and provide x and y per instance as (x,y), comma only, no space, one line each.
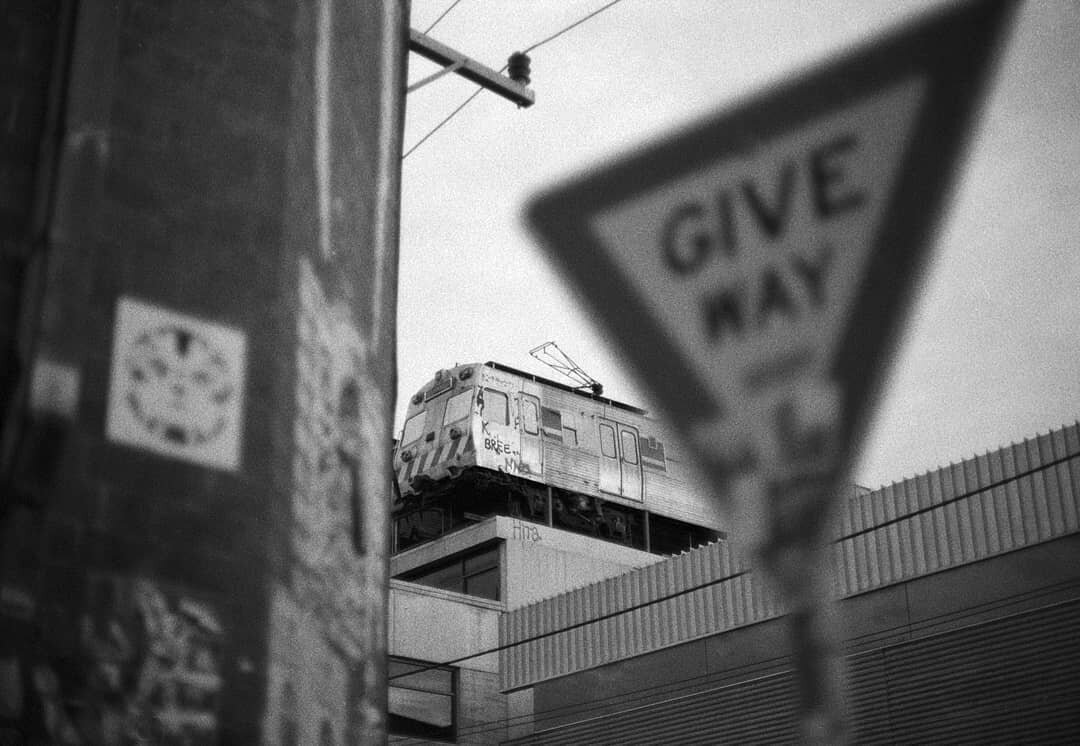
(607,440)
(457,407)
(493,408)
(530,418)
(629,447)
(551,421)
(652,449)
(414,428)
(569,429)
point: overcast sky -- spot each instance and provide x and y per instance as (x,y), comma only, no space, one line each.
(991,353)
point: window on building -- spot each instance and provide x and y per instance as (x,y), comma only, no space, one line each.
(414,428)
(457,407)
(495,409)
(475,574)
(422,700)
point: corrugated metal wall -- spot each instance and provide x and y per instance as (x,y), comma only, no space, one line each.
(1020,511)
(1012,680)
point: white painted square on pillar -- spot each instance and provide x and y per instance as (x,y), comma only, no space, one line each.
(176,385)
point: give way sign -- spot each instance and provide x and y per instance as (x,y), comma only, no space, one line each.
(774,246)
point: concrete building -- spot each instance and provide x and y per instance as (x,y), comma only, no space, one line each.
(960,597)
(458,589)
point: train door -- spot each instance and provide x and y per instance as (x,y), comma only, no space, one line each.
(620,461)
(532,449)
(498,446)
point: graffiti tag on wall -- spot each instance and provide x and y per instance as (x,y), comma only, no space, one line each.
(154,668)
(525,532)
(176,385)
(333,389)
(328,366)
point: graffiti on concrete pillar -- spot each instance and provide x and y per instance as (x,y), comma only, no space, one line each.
(330,384)
(154,663)
(176,385)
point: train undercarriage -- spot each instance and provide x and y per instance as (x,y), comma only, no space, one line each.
(476,494)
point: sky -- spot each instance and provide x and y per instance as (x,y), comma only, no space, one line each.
(991,350)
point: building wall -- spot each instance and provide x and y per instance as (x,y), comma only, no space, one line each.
(433,625)
(537,562)
(542,561)
(984,653)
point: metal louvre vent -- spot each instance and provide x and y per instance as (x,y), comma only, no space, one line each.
(1011,680)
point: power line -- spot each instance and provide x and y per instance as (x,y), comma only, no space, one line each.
(475,93)
(733,576)
(442,16)
(573,25)
(439,126)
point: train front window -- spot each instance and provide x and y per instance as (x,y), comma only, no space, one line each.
(494,410)
(414,428)
(457,407)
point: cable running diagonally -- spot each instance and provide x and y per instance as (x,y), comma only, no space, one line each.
(475,93)
(573,25)
(442,16)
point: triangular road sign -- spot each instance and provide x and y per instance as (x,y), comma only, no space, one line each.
(778,242)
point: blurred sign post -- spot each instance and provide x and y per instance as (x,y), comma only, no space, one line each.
(754,269)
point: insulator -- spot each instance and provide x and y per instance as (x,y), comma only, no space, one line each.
(518,68)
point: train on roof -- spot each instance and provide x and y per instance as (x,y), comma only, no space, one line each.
(485,439)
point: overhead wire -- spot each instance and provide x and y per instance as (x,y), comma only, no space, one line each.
(573,25)
(528,49)
(441,16)
(732,576)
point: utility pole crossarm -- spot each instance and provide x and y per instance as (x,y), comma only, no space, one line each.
(469,69)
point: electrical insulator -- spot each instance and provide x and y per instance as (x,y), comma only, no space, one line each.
(518,68)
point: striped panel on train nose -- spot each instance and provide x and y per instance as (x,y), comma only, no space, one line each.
(429,459)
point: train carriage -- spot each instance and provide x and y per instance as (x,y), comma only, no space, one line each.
(482,439)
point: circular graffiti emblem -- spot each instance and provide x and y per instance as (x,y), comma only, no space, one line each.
(178,385)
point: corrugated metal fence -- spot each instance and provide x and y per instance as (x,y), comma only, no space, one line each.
(1017,496)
